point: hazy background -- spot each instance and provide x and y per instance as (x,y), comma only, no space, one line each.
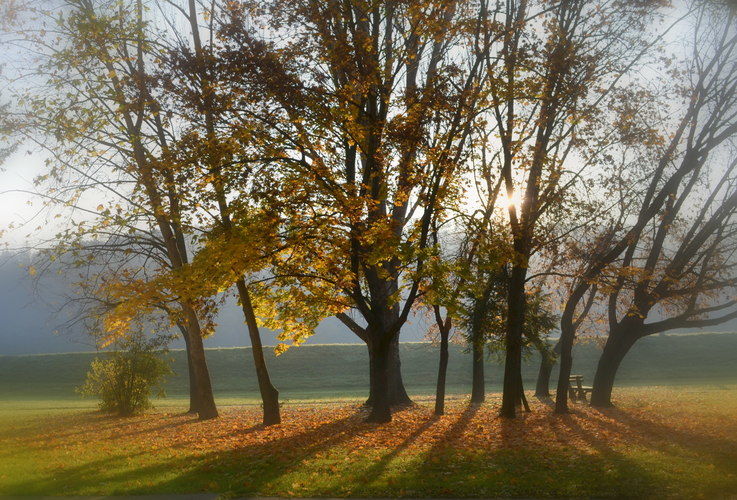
(33,321)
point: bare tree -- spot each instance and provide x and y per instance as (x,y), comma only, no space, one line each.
(671,260)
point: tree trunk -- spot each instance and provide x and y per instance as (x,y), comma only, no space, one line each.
(478,384)
(193,403)
(567,334)
(511,397)
(206,408)
(269,394)
(379,359)
(547,362)
(442,370)
(398,396)
(616,348)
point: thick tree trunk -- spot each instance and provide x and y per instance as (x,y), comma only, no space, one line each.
(379,359)
(616,348)
(398,396)
(269,394)
(206,408)
(442,371)
(547,362)
(478,384)
(513,389)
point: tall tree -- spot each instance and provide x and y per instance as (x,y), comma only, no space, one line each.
(671,257)
(214,149)
(374,102)
(103,130)
(551,67)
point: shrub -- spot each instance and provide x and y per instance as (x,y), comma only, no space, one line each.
(124,380)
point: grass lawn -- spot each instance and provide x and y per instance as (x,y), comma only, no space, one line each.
(660,442)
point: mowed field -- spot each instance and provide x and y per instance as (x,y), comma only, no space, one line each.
(673,433)
(340,372)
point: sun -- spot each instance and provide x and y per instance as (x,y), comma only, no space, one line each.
(514,200)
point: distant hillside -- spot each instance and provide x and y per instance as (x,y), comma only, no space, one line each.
(324,371)
(32,311)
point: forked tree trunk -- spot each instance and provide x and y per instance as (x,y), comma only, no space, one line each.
(616,348)
(269,394)
(478,384)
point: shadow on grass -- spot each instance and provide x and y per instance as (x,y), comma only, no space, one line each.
(464,454)
(720,452)
(251,466)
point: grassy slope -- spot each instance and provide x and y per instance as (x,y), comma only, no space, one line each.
(341,371)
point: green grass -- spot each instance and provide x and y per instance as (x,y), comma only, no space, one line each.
(667,442)
(341,371)
(676,440)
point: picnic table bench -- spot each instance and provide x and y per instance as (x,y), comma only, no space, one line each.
(576,390)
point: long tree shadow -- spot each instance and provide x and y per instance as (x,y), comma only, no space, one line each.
(436,460)
(662,435)
(611,467)
(382,464)
(261,463)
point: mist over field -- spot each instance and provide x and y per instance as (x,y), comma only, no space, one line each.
(34,320)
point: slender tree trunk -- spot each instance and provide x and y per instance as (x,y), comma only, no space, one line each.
(523,398)
(567,334)
(547,362)
(442,370)
(269,394)
(513,388)
(380,409)
(478,383)
(616,348)
(193,403)
(206,408)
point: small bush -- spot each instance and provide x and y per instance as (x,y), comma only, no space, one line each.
(124,380)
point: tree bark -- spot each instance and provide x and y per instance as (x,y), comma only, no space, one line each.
(547,362)
(379,359)
(567,334)
(442,370)
(269,394)
(398,396)
(511,397)
(616,348)
(194,405)
(206,408)
(478,384)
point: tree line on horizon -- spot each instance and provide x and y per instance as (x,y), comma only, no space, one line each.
(506,168)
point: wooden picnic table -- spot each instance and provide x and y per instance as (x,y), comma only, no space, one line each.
(576,390)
